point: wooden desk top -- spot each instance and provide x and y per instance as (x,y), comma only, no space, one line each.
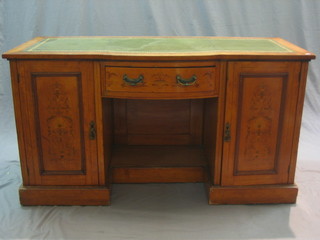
(150,47)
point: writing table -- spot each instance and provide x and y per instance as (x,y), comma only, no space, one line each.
(92,111)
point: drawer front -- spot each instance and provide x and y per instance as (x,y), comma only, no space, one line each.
(160,82)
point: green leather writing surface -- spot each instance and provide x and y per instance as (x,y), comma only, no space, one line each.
(156,45)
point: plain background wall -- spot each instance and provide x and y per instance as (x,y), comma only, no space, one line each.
(297,21)
(162,211)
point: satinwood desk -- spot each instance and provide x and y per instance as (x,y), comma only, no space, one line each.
(92,111)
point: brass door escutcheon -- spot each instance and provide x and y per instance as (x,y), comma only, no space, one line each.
(92,130)
(227,133)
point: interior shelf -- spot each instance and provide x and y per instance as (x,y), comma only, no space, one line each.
(158,156)
(154,164)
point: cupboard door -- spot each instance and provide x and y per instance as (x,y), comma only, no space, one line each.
(260,114)
(58,112)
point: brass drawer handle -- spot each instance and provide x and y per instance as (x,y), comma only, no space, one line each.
(133,81)
(186,82)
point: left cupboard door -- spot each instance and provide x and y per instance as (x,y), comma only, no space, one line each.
(57,111)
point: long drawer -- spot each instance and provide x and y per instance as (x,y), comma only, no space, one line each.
(160,80)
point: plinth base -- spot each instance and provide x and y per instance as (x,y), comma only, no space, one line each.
(253,194)
(56,195)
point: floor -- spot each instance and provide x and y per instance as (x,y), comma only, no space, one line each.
(162,211)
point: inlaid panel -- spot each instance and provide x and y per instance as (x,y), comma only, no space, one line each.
(261,101)
(59,110)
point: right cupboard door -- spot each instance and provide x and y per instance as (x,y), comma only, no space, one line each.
(260,115)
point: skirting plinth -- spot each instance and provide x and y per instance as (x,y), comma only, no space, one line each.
(253,194)
(56,195)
